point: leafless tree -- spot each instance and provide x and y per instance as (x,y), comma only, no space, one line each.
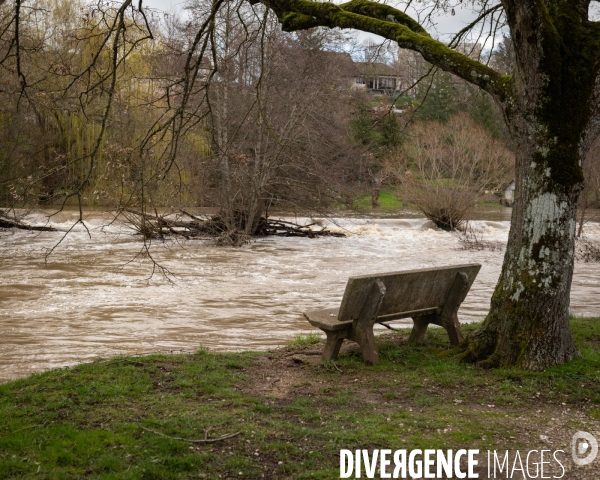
(278,119)
(452,165)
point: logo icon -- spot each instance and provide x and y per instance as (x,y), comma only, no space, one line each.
(585,448)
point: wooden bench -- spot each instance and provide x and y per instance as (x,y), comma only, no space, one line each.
(431,295)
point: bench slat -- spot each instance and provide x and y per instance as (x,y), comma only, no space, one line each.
(327,318)
(411,313)
(405,291)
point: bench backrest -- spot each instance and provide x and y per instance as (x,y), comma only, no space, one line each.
(408,293)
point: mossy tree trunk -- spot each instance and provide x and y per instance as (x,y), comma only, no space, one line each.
(528,324)
(553,118)
(551,106)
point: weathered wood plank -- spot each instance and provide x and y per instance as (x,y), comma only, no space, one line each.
(406,291)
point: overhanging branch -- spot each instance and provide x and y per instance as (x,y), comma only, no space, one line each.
(394,25)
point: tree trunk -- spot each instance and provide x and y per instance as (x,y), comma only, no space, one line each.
(375,197)
(376,180)
(553,119)
(528,324)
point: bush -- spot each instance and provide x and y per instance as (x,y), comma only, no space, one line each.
(451,166)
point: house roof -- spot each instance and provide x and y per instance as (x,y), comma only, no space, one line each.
(343,62)
(375,69)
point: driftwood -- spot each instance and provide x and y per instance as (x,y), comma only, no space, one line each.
(8,223)
(586,250)
(470,240)
(289,229)
(190,226)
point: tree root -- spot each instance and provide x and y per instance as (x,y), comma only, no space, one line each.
(478,348)
(491,348)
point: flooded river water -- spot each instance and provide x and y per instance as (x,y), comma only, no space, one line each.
(93,298)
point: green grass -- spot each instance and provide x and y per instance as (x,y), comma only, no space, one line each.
(311,338)
(387,201)
(490,204)
(112,419)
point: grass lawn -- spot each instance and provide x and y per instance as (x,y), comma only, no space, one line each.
(387,201)
(113,418)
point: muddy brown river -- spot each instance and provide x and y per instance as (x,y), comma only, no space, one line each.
(96,296)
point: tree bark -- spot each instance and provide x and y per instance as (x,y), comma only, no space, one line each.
(528,324)
(551,118)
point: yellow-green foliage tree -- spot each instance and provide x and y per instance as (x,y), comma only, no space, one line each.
(79,116)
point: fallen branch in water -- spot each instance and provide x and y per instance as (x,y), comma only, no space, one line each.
(470,240)
(7,223)
(282,228)
(586,250)
(190,226)
(206,440)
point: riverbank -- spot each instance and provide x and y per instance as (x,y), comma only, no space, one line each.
(276,415)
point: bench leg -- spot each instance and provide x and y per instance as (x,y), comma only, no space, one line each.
(452,326)
(362,326)
(333,344)
(417,335)
(448,317)
(363,335)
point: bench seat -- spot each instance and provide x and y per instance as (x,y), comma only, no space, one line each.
(327,319)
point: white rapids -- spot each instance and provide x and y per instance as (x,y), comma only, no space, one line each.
(95,298)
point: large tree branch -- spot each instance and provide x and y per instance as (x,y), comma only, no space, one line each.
(384,12)
(394,25)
